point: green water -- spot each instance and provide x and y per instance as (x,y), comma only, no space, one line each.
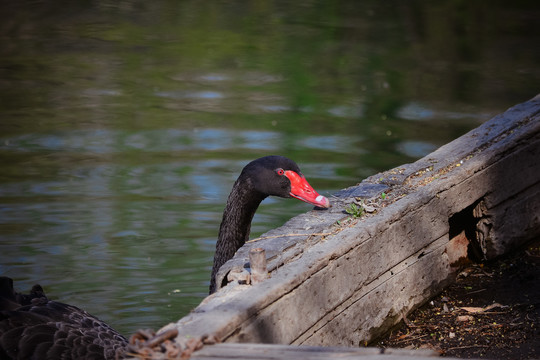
(123,124)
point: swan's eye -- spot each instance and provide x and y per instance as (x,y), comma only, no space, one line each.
(280,171)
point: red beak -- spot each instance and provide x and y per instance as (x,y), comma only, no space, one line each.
(301,190)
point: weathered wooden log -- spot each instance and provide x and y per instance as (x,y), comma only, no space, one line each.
(340,280)
(282,352)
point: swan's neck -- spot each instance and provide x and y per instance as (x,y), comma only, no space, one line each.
(234,231)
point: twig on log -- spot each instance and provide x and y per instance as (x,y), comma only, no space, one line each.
(287,235)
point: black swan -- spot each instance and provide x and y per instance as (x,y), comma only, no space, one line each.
(269,175)
(34,327)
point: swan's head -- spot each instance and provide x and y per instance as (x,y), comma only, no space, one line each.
(279,176)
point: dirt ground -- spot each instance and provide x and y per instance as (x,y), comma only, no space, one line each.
(492,311)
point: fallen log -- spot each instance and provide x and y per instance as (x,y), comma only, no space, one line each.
(342,279)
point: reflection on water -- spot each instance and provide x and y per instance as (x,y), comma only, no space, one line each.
(415,149)
(418,112)
(125,124)
(105,141)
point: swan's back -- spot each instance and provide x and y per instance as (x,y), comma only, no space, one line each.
(34,327)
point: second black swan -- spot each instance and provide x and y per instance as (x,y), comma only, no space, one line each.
(34,327)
